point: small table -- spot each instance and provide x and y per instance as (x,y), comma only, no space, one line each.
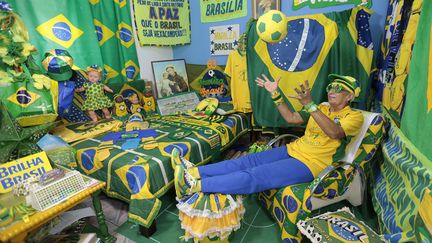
(18,231)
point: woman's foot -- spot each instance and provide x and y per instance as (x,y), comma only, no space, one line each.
(177,159)
(184,183)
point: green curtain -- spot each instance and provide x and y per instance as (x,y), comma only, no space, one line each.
(93,31)
(416,121)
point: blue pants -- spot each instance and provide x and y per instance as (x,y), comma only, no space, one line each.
(253,173)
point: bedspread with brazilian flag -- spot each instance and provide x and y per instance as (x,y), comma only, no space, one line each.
(142,173)
(315,46)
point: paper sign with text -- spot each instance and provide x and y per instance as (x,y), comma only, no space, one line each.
(21,169)
(222,10)
(224,39)
(162,22)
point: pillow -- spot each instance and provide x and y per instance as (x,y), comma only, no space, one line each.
(212,83)
(340,226)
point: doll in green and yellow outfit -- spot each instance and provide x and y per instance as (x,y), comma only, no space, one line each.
(95,96)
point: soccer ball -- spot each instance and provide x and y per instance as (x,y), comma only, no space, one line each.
(272,27)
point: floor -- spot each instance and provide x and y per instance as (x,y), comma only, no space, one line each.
(257,225)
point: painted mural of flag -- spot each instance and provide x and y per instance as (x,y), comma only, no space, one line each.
(310,51)
(417,117)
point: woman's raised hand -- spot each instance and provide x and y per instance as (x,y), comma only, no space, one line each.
(303,95)
(267,84)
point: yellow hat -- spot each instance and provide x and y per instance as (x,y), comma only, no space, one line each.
(349,83)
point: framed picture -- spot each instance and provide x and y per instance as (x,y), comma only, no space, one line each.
(170,77)
(260,7)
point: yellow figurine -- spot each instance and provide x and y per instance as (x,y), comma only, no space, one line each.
(135,105)
(120,108)
(148,99)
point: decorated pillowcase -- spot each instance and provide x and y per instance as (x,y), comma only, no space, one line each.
(212,83)
(340,226)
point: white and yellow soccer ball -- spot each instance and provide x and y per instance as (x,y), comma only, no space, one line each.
(272,27)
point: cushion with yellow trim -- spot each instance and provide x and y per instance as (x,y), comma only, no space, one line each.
(340,226)
(212,82)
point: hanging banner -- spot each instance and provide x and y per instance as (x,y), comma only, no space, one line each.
(297,4)
(221,10)
(162,22)
(224,39)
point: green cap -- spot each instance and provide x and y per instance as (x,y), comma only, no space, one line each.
(349,83)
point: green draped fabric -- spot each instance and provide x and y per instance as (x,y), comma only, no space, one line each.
(93,31)
(417,112)
(315,46)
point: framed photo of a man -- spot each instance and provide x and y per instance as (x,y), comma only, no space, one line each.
(260,7)
(170,77)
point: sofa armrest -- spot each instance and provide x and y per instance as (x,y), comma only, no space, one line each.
(278,138)
(326,172)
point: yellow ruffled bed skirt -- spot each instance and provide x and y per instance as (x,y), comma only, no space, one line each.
(210,216)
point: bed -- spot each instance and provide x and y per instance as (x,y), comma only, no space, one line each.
(141,173)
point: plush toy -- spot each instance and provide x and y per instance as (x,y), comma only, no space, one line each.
(135,105)
(96,98)
(148,99)
(120,108)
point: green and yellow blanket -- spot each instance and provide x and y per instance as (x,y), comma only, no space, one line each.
(141,174)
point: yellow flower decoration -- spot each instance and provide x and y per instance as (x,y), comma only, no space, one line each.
(28,49)
(41,81)
(5,78)
(3,51)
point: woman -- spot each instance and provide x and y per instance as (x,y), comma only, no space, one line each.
(329,129)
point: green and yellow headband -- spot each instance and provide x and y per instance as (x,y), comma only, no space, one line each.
(94,68)
(349,83)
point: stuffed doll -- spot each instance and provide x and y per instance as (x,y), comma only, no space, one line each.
(120,108)
(95,96)
(135,105)
(148,99)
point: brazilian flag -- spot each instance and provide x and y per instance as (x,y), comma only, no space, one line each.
(315,46)
(417,116)
(93,31)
